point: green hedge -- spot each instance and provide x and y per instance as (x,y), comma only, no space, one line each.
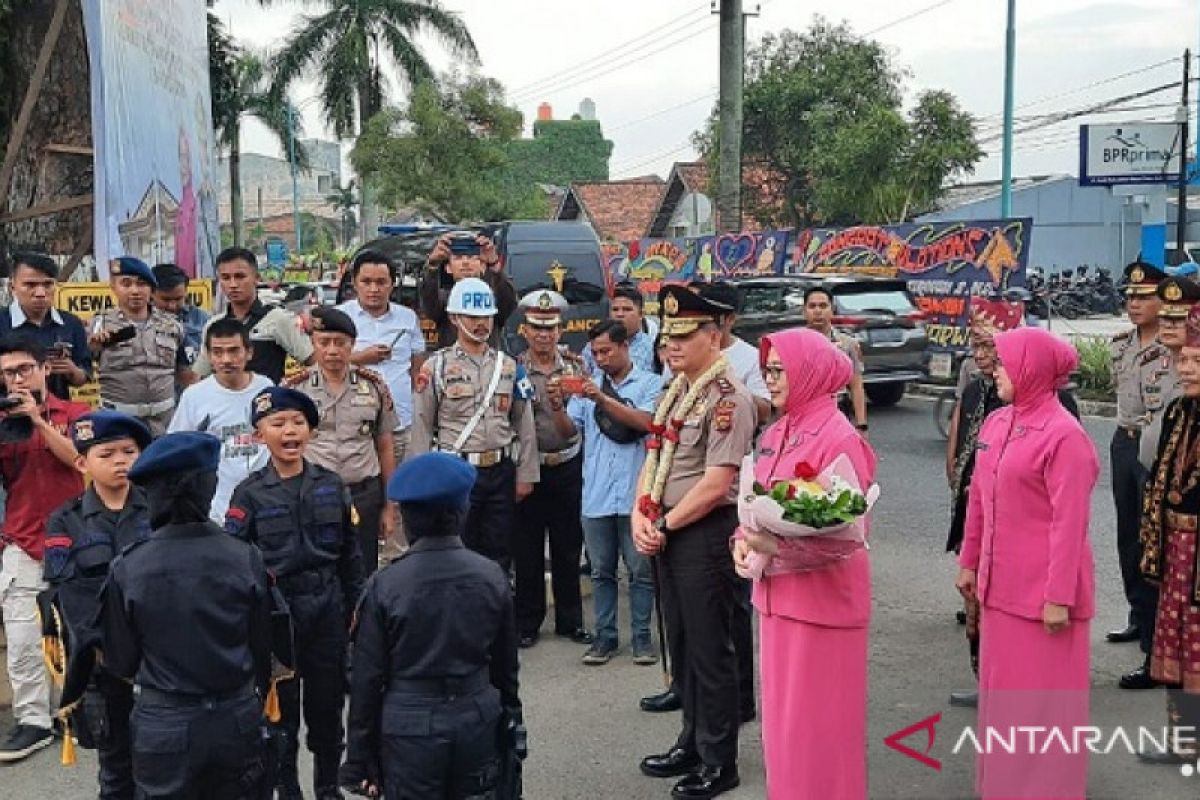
(1096,380)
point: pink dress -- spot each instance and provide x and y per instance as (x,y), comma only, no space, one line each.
(813,625)
(1027,538)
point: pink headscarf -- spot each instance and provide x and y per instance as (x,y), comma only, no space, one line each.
(816,369)
(1037,362)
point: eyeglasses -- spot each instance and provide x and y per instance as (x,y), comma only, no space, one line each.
(23,371)
(773,372)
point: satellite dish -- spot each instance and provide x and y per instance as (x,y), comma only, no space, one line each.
(695,209)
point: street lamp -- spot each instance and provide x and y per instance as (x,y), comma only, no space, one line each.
(1010,53)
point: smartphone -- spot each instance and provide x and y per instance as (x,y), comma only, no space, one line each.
(61,350)
(463,244)
(396,338)
(572,384)
(121,335)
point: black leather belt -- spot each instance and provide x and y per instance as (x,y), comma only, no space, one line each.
(208,701)
(1131,432)
(442,687)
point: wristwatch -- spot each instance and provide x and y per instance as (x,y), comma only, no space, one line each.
(862,426)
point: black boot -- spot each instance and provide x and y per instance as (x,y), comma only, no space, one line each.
(287,779)
(325,776)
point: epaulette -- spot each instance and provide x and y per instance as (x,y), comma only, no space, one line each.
(1123,335)
(725,386)
(298,378)
(375,378)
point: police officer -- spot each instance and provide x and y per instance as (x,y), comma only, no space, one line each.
(139,350)
(187,617)
(434,671)
(83,536)
(456,257)
(299,515)
(1141,366)
(171,297)
(554,505)
(357,417)
(684,515)
(473,401)
(275,333)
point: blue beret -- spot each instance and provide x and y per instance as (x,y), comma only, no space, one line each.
(435,478)
(281,398)
(99,427)
(185,451)
(134,267)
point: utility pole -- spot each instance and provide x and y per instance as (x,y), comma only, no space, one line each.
(291,112)
(1181,202)
(1010,55)
(729,110)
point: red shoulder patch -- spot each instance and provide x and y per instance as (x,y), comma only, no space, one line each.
(58,541)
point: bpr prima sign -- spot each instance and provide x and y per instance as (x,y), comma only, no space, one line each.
(1133,153)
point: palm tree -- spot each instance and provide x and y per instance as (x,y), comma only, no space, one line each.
(343,44)
(344,201)
(240,88)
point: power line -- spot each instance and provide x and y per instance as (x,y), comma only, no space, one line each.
(660,112)
(918,13)
(634,168)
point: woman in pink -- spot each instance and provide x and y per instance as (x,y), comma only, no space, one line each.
(812,625)
(1027,558)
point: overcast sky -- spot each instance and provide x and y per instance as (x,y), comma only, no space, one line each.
(651,65)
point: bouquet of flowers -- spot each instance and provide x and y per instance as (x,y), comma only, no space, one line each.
(819,518)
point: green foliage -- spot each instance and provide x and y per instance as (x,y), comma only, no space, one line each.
(1096,380)
(343,48)
(561,152)
(447,153)
(813,510)
(825,132)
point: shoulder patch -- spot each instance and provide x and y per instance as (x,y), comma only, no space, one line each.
(292,381)
(522,386)
(723,414)
(235,520)
(376,379)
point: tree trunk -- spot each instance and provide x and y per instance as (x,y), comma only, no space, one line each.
(61,116)
(235,187)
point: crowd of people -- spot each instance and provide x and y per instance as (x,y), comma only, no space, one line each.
(225,547)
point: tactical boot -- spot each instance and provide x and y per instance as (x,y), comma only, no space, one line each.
(325,776)
(287,786)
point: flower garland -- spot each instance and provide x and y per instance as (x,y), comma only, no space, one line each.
(664,439)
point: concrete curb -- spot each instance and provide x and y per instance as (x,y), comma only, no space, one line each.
(1088,408)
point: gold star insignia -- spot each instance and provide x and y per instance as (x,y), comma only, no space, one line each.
(1173,292)
(671,305)
(1137,276)
(558,274)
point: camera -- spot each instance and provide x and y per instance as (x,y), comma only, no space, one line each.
(16,429)
(463,243)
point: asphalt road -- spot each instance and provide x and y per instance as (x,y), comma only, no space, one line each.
(586,733)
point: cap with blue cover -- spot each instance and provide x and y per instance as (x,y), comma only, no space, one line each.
(100,427)
(128,266)
(438,479)
(281,398)
(185,451)
(472,297)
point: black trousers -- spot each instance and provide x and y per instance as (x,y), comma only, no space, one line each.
(1128,481)
(368,501)
(699,593)
(112,736)
(440,748)
(493,511)
(189,750)
(319,630)
(553,507)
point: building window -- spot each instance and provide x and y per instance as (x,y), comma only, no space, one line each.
(324,183)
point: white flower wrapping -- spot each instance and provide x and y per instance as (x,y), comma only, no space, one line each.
(801,548)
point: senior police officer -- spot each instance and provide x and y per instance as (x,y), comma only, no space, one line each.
(434,673)
(139,350)
(187,618)
(473,400)
(553,507)
(684,515)
(275,333)
(357,417)
(299,514)
(1141,366)
(82,538)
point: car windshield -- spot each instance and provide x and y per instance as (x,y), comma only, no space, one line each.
(580,273)
(890,301)
(770,299)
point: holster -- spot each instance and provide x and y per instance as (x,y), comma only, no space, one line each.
(511,744)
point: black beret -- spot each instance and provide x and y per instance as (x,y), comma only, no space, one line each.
(327,319)
(185,451)
(103,426)
(282,398)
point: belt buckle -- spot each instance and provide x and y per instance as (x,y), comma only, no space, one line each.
(489,459)
(552,459)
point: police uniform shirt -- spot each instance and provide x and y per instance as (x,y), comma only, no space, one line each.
(83,537)
(450,388)
(1141,376)
(351,418)
(274,334)
(717,432)
(141,369)
(1171,389)
(549,440)
(848,345)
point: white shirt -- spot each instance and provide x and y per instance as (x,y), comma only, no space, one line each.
(399,329)
(743,360)
(210,408)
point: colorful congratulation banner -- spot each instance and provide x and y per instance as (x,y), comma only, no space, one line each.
(944,264)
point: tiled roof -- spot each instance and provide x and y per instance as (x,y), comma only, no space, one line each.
(694,175)
(618,210)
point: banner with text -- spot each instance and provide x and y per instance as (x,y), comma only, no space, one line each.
(155,164)
(944,264)
(651,263)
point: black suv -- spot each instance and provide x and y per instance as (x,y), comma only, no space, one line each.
(878,312)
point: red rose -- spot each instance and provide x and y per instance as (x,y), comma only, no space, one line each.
(791,492)
(805,471)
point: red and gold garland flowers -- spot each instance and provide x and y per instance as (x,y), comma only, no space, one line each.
(664,437)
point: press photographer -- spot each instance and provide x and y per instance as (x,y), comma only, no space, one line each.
(37,468)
